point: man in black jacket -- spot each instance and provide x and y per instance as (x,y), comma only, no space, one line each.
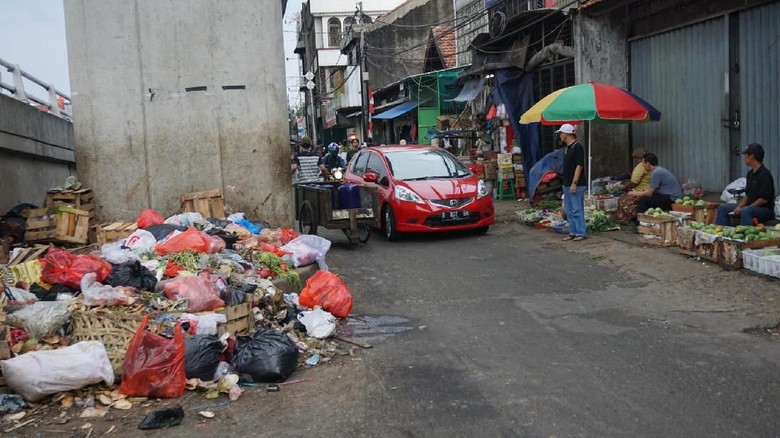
(759,200)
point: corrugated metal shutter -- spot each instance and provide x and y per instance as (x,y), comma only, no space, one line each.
(759,81)
(681,73)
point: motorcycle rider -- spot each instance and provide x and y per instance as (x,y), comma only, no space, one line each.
(331,160)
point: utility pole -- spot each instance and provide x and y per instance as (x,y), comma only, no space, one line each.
(363,73)
(310,86)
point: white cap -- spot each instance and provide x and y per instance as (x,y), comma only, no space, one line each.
(566,128)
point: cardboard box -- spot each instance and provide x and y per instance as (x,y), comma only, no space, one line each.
(491,169)
(505,161)
(506,173)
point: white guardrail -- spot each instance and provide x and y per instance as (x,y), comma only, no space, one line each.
(58,103)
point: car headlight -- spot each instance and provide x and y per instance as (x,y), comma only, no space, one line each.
(338,174)
(481,190)
(404,194)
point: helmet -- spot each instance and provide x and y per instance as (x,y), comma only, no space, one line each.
(333,147)
(363,145)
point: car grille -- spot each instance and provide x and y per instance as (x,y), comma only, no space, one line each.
(435,221)
(460,202)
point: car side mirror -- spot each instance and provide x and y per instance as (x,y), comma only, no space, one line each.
(384,182)
(371,177)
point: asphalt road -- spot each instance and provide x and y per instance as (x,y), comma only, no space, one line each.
(518,334)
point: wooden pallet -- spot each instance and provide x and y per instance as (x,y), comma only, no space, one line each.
(113,231)
(61,225)
(208,204)
(80,199)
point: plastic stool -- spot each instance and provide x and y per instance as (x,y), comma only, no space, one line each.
(506,189)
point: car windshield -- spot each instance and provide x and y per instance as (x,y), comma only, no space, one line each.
(424,164)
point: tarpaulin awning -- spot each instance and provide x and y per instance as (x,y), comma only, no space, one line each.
(470,89)
(397,111)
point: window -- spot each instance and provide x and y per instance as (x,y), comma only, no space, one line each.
(348,22)
(375,164)
(359,167)
(334,31)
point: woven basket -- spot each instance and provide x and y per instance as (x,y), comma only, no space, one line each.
(114,328)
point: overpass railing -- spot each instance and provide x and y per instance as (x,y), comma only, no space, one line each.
(57,103)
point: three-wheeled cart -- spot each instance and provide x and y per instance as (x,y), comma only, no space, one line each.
(317,204)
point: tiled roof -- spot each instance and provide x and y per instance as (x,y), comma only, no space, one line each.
(445,42)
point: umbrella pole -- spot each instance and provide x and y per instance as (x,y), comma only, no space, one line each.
(590,157)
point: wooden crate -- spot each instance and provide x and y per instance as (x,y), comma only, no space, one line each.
(657,230)
(706,213)
(708,246)
(61,225)
(116,230)
(80,199)
(208,204)
(686,238)
(239,319)
(730,251)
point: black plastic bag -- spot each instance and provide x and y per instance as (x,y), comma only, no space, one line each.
(229,238)
(201,357)
(219,223)
(51,294)
(268,356)
(162,231)
(234,294)
(163,418)
(132,274)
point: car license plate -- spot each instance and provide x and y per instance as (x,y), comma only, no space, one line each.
(452,216)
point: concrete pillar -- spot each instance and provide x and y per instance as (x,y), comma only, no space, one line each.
(176,96)
(602,56)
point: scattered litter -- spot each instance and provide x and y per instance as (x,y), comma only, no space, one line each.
(162,418)
(206,414)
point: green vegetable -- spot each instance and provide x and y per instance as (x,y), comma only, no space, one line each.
(275,263)
(189,260)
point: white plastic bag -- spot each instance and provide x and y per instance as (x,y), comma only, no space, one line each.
(187,220)
(739,183)
(319,323)
(97,294)
(128,249)
(207,323)
(306,249)
(37,374)
(42,319)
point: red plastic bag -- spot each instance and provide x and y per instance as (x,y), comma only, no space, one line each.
(193,239)
(62,267)
(154,365)
(199,291)
(287,235)
(267,247)
(326,290)
(149,217)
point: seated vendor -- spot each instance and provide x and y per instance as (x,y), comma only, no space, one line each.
(640,181)
(664,187)
(759,200)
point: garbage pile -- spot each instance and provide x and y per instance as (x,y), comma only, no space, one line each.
(182,303)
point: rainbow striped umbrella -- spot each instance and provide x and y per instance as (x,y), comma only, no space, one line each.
(591,102)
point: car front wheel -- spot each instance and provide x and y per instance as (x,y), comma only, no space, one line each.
(390,231)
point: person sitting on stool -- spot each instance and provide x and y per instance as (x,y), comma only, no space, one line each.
(664,187)
(759,199)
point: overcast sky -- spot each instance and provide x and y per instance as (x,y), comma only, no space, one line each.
(32,34)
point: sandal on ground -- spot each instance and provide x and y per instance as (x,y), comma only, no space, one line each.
(568,238)
(578,238)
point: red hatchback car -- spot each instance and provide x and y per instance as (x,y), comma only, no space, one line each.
(422,189)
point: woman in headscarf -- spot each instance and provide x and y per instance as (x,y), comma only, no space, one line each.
(640,181)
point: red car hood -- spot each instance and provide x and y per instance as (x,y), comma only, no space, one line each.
(443,188)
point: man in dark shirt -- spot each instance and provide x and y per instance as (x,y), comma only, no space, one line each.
(575,182)
(759,200)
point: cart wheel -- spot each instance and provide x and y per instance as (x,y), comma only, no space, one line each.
(365,233)
(306,223)
(353,240)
